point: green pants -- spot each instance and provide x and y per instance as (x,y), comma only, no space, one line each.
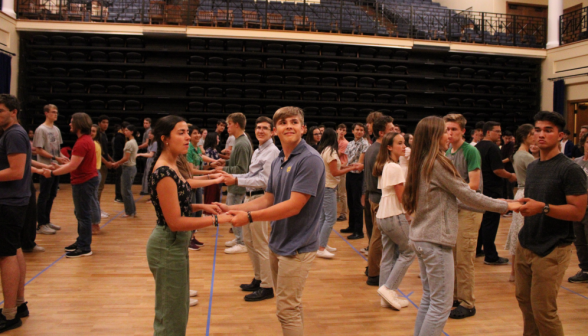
(167,254)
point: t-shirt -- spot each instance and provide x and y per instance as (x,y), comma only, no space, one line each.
(194,156)
(403,161)
(15,140)
(392,175)
(98,155)
(200,142)
(506,152)
(118,146)
(329,156)
(342,147)
(550,182)
(84,147)
(466,159)
(491,160)
(303,172)
(370,182)
(580,161)
(522,159)
(230,142)
(48,138)
(104,143)
(132,148)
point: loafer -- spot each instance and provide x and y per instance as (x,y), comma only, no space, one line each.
(373,281)
(341,218)
(21,311)
(355,236)
(499,261)
(260,295)
(6,325)
(252,287)
(347,230)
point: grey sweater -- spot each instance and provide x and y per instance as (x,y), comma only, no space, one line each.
(435,220)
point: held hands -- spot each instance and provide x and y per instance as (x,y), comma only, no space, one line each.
(530,207)
(223,207)
(46,173)
(211,209)
(513,178)
(359,166)
(229,179)
(61,159)
(240,218)
(514,206)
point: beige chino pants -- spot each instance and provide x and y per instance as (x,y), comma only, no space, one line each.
(464,254)
(256,238)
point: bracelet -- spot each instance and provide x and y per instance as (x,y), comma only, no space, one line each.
(52,175)
(249,215)
(215,220)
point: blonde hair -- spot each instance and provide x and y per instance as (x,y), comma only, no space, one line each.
(456,118)
(288,111)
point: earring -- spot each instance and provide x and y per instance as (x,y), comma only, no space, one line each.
(167,143)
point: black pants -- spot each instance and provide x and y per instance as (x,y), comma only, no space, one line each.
(581,231)
(487,233)
(29,230)
(354,184)
(117,176)
(47,193)
(508,191)
(369,221)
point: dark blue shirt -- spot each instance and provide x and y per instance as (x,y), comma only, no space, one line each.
(304,172)
(15,140)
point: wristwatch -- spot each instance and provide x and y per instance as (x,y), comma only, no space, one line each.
(53,158)
(546,209)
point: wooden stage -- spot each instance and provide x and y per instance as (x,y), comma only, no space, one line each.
(112,292)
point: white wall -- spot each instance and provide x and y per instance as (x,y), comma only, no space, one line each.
(499,6)
(9,41)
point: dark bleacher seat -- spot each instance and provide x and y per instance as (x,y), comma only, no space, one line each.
(196,60)
(234,77)
(215,77)
(232,108)
(311,81)
(114,104)
(115,56)
(77,104)
(273,94)
(253,63)
(76,88)
(252,78)
(214,108)
(482,89)
(400,70)
(348,96)
(113,73)
(235,62)
(292,95)
(114,89)
(195,107)
(367,52)
(41,87)
(96,104)
(328,96)
(274,63)
(98,56)
(216,62)
(97,73)
(253,46)
(367,82)
(271,109)
(41,55)
(312,49)
(399,99)
(383,83)
(214,92)
(196,91)
(293,49)
(329,81)
(133,90)
(274,79)
(467,73)
(41,40)
(116,42)
(349,81)
(348,112)
(367,68)
(382,98)
(328,111)
(348,67)
(468,102)
(292,80)
(292,64)
(252,109)
(58,72)
(132,105)
(77,41)
(197,44)
(59,56)
(452,72)
(133,42)
(252,93)
(453,102)
(329,66)
(384,69)
(366,97)
(274,48)
(195,76)
(97,89)
(234,93)
(310,95)
(468,88)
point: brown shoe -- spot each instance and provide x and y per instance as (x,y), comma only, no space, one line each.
(95,229)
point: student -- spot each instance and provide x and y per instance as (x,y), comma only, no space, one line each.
(581,227)
(369,123)
(506,152)
(313,137)
(48,142)
(292,201)
(341,190)
(329,150)
(551,205)
(15,191)
(167,254)
(397,255)
(567,147)
(521,159)
(403,160)
(147,126)
(103,122)
(477,133)
(212,193)
(149,155)
(84,183)
(579,149)
(433,186)
(118,152)
(129,170)
(96,214)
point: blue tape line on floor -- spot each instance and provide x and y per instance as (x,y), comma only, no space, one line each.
(212,283)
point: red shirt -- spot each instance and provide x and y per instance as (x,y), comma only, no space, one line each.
(85,148)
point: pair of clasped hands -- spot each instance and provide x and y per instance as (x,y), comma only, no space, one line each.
(225,215)
(47,169)
(525,206)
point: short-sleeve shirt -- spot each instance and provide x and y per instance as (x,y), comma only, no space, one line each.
(328,156)
(194,156)
(84,147)
(230,142)
(304,172)
(392,175)
(132,148)
(48,138)
(98,155)
(146,135)
(491,161)
(466,159)
(104,143)
(550,182)
(15,140)
(522,159)
(582,163)
(354,150)
(342,147)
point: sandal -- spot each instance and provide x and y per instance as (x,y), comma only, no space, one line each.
(462,312)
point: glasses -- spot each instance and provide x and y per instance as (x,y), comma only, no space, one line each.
(315,134)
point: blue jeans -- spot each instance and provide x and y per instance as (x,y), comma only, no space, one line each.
(47,193)
(233,199)
(397,255)
(196,198)
(84,195)
(436,263)
(328,216)
(96,212)
(126,182)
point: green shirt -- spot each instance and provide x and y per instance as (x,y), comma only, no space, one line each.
(194,156)
(466,159)
(239,161)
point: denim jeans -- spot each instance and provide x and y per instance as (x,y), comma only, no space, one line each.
(328,216)
(117,186)
(126,182)
(436,264)
(96,206)
(83,198)
(233,199)
(397,256)
(47,193)
(196,198)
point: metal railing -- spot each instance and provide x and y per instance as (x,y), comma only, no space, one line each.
(573,26)
(427,21)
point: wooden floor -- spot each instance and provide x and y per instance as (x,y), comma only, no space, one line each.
(112,292)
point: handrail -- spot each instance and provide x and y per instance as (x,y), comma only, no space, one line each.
(573,26)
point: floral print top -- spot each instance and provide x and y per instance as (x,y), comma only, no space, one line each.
(183,192)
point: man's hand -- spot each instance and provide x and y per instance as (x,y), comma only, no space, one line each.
(46,173)
(222,206)
(61,159)
(240,218)
(512,178)
(211,209)
(230,179)
(359,166)
(53,166)
(363,200)
(530,207)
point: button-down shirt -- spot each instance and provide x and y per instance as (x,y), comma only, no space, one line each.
(354,150)
(260,168)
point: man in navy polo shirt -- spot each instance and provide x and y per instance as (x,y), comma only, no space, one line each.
(293,200)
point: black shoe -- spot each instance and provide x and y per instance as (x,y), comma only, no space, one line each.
(499,261)
(260,295)
(143,193)
(366,271)
(341,218)
(252,287)
(355,236)
(21,312)
(581,276)
(196,241)
(462,312)
(71,247)
(456,303)
(480,254)
(6,325)
(78,253)
(347,230)
(373,280)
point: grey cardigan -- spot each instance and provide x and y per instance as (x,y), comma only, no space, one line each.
(435,220)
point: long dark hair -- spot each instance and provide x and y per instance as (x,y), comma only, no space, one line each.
(211,140)
(407,139)
(384,153)
(163,127)
(309,137)
(329,141)
(520,136)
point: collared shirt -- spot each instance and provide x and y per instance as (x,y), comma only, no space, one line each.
(303,172)
(260,167)
(239,161)
(354,150)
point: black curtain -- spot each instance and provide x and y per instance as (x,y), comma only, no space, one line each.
(5,72)
(559,96)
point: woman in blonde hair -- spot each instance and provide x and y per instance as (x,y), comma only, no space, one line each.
(433,187)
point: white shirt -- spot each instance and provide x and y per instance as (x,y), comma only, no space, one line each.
(563,145)
(260,167)
(392,175)
(230,142)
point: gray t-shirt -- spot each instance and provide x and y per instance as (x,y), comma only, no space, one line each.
(230,141)
(131,147)
(304,172)
(521,160)
(15,140)
(48,138)
(370,182)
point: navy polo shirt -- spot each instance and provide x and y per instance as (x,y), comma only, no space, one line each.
(304,172)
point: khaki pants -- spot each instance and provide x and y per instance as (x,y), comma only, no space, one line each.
(375,251)
(104,174)
(537,283)
(342,195)
(464,254)
(255,237)
(289,275)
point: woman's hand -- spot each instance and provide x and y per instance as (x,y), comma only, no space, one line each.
(222,206)
(514,206)
(211,209)
(222,219)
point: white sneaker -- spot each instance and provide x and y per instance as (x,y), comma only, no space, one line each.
(390,296)
(331,249)
(193,302)
(384,304)
(231,243)
(37,248)
(46,230)
(324,254)
(236,249)
(54,227)
(403,302)
(104,215)
(193,293)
